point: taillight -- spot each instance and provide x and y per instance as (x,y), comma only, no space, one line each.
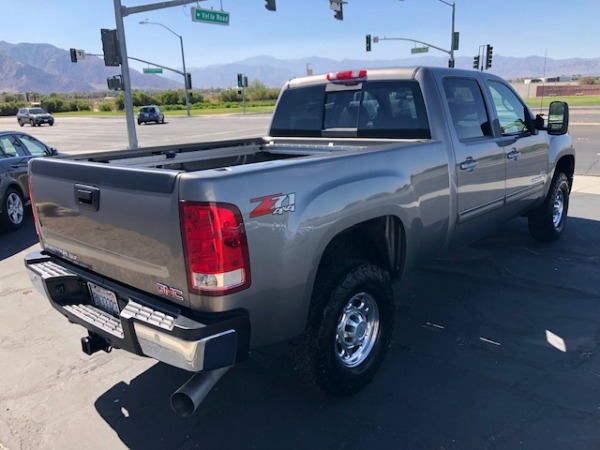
(216,248)
(354,76)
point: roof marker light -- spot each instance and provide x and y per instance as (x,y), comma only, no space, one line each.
(347,75)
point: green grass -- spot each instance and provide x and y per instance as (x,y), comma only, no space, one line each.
(179,112)
(588,100)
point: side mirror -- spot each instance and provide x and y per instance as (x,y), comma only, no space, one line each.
(558,118)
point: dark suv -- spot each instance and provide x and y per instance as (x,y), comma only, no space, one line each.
(150,113)
(34,116)
(16,149)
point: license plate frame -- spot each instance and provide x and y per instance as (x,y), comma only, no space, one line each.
(103,298)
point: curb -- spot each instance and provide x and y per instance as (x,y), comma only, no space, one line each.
(585,184)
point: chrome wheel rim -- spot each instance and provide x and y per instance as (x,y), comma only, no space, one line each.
(558,208)
(14,208)
(357,330)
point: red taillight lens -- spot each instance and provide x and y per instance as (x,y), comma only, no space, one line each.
(216,249)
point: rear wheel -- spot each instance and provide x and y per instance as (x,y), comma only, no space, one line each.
(547,222)
(349,328)
(13,210)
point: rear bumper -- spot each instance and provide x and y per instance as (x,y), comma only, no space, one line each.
(145,325)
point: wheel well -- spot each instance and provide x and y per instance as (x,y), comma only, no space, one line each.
(566,165)
(379,241)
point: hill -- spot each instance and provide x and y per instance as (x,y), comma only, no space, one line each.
(45,69)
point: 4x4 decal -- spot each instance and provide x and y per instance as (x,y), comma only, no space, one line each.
(275,204)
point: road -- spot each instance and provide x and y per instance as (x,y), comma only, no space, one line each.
(496,347)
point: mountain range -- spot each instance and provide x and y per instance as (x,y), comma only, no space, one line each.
(44,68)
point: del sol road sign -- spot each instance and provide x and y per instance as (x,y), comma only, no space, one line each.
(152,70)
(210,16)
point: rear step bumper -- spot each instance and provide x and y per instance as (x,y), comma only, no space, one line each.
(144,325)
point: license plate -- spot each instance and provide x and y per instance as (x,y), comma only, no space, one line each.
(104,299)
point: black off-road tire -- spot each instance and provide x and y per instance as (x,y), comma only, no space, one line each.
(318,355)
(547,222)
(13,210)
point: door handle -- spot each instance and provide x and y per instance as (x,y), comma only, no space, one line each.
(513,154)
(469,165)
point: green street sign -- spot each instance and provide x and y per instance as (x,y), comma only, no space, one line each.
(210,16)
(152,70)
(419,50)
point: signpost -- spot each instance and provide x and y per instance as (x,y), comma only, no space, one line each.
(80,54)
(210,16)
(419,50)
(152,70)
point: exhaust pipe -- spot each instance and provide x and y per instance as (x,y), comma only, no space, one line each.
(188,397)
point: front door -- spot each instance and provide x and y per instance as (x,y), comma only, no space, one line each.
(526,153)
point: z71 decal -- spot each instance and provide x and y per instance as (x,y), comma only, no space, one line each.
(274,204)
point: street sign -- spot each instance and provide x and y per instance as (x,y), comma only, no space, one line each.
(80,54)
(419,50)
(210,16)
(152,70)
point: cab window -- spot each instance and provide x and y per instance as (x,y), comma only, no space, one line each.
(467,108)
(512,113)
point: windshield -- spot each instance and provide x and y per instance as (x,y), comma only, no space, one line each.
(37,111)
(377,109)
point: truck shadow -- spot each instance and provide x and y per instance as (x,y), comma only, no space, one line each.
(13,242)
(495,347)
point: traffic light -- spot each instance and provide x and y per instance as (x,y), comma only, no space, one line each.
(451,63)
(337,7)
(115,83)
(368,42)
(476,62)
(110,47)
(245,81)
(240,80)
(270,5)
(73,55)
(488,56)
(188,80)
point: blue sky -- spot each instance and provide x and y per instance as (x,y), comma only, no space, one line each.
(306,28)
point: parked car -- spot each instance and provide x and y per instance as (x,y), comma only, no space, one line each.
(16,149)
(34,116)
(150,113)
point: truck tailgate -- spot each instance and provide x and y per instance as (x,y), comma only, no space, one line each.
(120,222)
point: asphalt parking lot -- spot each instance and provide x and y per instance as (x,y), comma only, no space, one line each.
(496,347)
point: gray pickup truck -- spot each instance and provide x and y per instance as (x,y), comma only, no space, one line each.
(196,254)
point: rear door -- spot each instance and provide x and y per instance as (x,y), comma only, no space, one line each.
(480,165)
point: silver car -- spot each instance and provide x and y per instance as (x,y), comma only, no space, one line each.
(34,116)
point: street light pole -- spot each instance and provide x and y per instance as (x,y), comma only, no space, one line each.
(452,40)
(453,6)
(185,83)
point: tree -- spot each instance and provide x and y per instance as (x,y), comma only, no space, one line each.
(170,97)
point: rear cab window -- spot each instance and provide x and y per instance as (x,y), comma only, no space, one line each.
(371,109)
(467,108)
